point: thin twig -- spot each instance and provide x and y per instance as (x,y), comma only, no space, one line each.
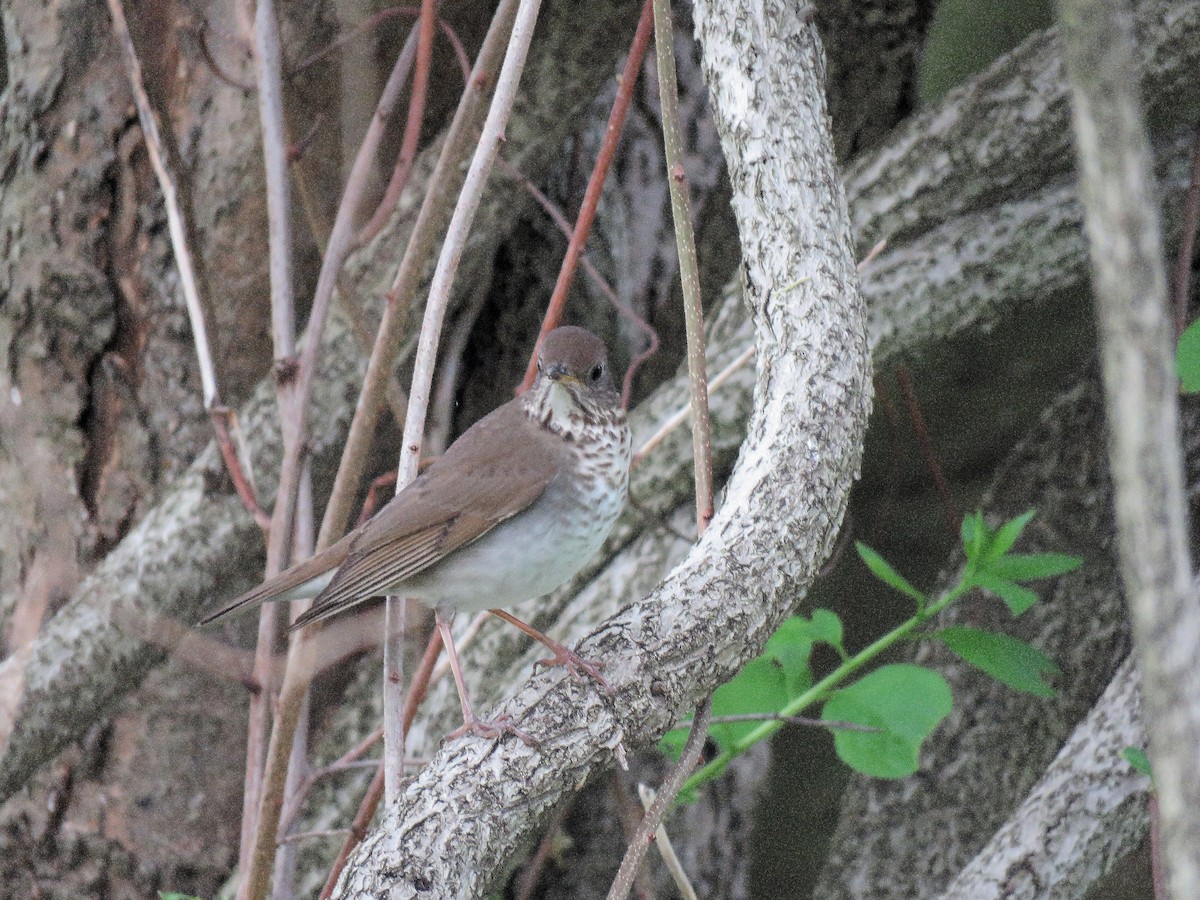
(422,678)
(681,415)
(233,466)
(689,269)
(181,251)
(206,52)
(1182,276)
(426,356)
(632,860)
(666,850)
(412,125)
(908,392)
(791,720)
(559,219)
(441,414)
(176,224)
(302,548)
(431,220)
(393,644)
(283,329)
(591,197)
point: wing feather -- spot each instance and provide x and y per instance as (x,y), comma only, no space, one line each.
(493,472)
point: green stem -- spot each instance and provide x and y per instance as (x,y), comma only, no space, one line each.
(819,690)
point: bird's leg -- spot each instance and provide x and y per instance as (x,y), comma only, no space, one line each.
(563,656)
(472,724)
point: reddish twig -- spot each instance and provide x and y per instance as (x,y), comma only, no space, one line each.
(949,509)
(557,216)
(412,126)
(222,75)
(233,465)
(371,503)
(1182,276)
(591,198)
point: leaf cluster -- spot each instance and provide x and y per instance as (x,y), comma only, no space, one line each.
(881,718)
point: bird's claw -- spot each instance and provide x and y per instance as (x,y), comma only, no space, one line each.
(576,664)
(492,730)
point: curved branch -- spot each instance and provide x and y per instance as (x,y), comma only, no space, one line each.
(1008,129)
(479,801)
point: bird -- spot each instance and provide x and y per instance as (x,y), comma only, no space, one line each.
(512,510)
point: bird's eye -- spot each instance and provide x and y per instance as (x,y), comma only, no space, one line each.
(596,372)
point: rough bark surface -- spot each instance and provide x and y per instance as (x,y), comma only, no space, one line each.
(479,802)
(1087,811)
(1137,349)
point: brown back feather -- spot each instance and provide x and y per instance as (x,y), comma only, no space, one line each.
(494,471)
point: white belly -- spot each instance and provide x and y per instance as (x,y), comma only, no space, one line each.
(538,550)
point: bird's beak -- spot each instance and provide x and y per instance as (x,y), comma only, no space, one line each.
(561,374)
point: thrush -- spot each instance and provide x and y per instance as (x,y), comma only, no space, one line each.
(512,510)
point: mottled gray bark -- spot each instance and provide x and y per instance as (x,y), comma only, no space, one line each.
(1087,811)
(478,802)
(1008,130)
(1142,393)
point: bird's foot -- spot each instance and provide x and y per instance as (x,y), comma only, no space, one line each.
(576,664)
(492,730)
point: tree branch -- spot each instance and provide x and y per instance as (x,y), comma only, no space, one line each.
(1137,349)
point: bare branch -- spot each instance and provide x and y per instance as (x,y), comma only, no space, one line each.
(1136,347)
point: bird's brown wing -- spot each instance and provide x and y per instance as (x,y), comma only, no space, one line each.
(493,472)
(297,575)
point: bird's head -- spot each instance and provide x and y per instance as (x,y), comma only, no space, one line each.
(574,376)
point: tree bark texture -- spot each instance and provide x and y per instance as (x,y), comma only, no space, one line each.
(478,802)
(1137,349)
(1086,812)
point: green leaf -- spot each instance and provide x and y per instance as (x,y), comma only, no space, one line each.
(759,688)
(1006,535)
(1007,659)
(827,628)
(883,570)
(974,535)
(791,646)
(905,702)
(1137,758)
(1016,597)
(1187,358)
(1031,566)
(171,895)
